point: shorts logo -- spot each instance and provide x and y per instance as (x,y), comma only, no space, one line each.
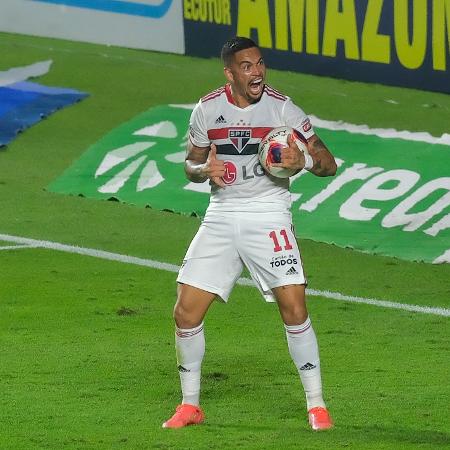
(239,138)
(230,173)
(280,262)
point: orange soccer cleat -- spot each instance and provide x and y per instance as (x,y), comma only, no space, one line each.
(319,418)
(185,415)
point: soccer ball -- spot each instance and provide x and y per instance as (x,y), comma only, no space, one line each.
(269,150)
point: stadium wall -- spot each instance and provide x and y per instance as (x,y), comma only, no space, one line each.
(143,24)
(401,42)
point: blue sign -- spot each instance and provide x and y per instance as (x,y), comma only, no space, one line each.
(23,104)
(118,6)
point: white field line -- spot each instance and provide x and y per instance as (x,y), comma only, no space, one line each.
(17,74)
(384,133)
(34,243)
(14,247)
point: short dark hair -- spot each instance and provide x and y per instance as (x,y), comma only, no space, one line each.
(235,45)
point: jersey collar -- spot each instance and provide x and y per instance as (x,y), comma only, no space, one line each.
(229,94)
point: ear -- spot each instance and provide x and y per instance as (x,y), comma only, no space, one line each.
(228,74)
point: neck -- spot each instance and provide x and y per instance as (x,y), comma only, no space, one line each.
(239,100)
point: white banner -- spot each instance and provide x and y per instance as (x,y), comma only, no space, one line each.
(144,24)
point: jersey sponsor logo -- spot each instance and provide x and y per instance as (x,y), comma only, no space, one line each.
(306,125)
(239,137)
(220,119)
(230,173)
(256,170)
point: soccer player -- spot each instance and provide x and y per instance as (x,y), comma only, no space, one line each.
(248,222)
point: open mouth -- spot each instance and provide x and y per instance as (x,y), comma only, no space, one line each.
(256,86)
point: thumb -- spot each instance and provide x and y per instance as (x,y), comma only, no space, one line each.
(290,139)
(212,152)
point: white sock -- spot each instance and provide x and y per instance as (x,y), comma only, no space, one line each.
(302,343)
(190,346)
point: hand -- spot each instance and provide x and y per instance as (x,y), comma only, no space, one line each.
(214,168)
(291,157)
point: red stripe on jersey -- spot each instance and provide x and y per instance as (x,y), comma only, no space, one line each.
(270,94)
(273,93)
(229,94)
(213,94)
(219,90)
(222,133)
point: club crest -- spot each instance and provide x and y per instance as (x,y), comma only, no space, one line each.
(239,138)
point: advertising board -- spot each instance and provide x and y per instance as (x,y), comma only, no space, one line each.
(401,42)
(143,24)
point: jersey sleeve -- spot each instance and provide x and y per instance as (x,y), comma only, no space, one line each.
(198,133)
(296,118)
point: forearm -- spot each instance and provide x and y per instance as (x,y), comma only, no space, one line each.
(323,163)
(195,171)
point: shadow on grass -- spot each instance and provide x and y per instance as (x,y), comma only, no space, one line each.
(341,436)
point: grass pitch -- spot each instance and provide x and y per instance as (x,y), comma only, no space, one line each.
(87,344)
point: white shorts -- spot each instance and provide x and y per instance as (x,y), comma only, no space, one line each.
(225,242)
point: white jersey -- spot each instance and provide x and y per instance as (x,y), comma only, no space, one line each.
(236,132)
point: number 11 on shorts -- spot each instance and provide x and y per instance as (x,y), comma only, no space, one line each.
(277,247)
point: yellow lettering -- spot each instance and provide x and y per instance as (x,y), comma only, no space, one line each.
(211,7)
(340,26)
(411,53)
(281,26)
(203,11)
(187,9)
(226,12)
(374,47)
(312,26)
(254,14)
(441,23)
(217,11)
(297,25)
(195,12)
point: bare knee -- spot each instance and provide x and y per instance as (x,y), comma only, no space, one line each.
(184,317)
(294,314)
(191,306)
(291,303)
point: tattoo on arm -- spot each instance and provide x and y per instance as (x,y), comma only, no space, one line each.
(324,164)
(317,165)
(318,146)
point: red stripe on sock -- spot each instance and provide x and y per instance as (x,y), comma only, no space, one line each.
(299,331)
(186,334)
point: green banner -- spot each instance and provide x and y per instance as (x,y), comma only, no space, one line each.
(389,197)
